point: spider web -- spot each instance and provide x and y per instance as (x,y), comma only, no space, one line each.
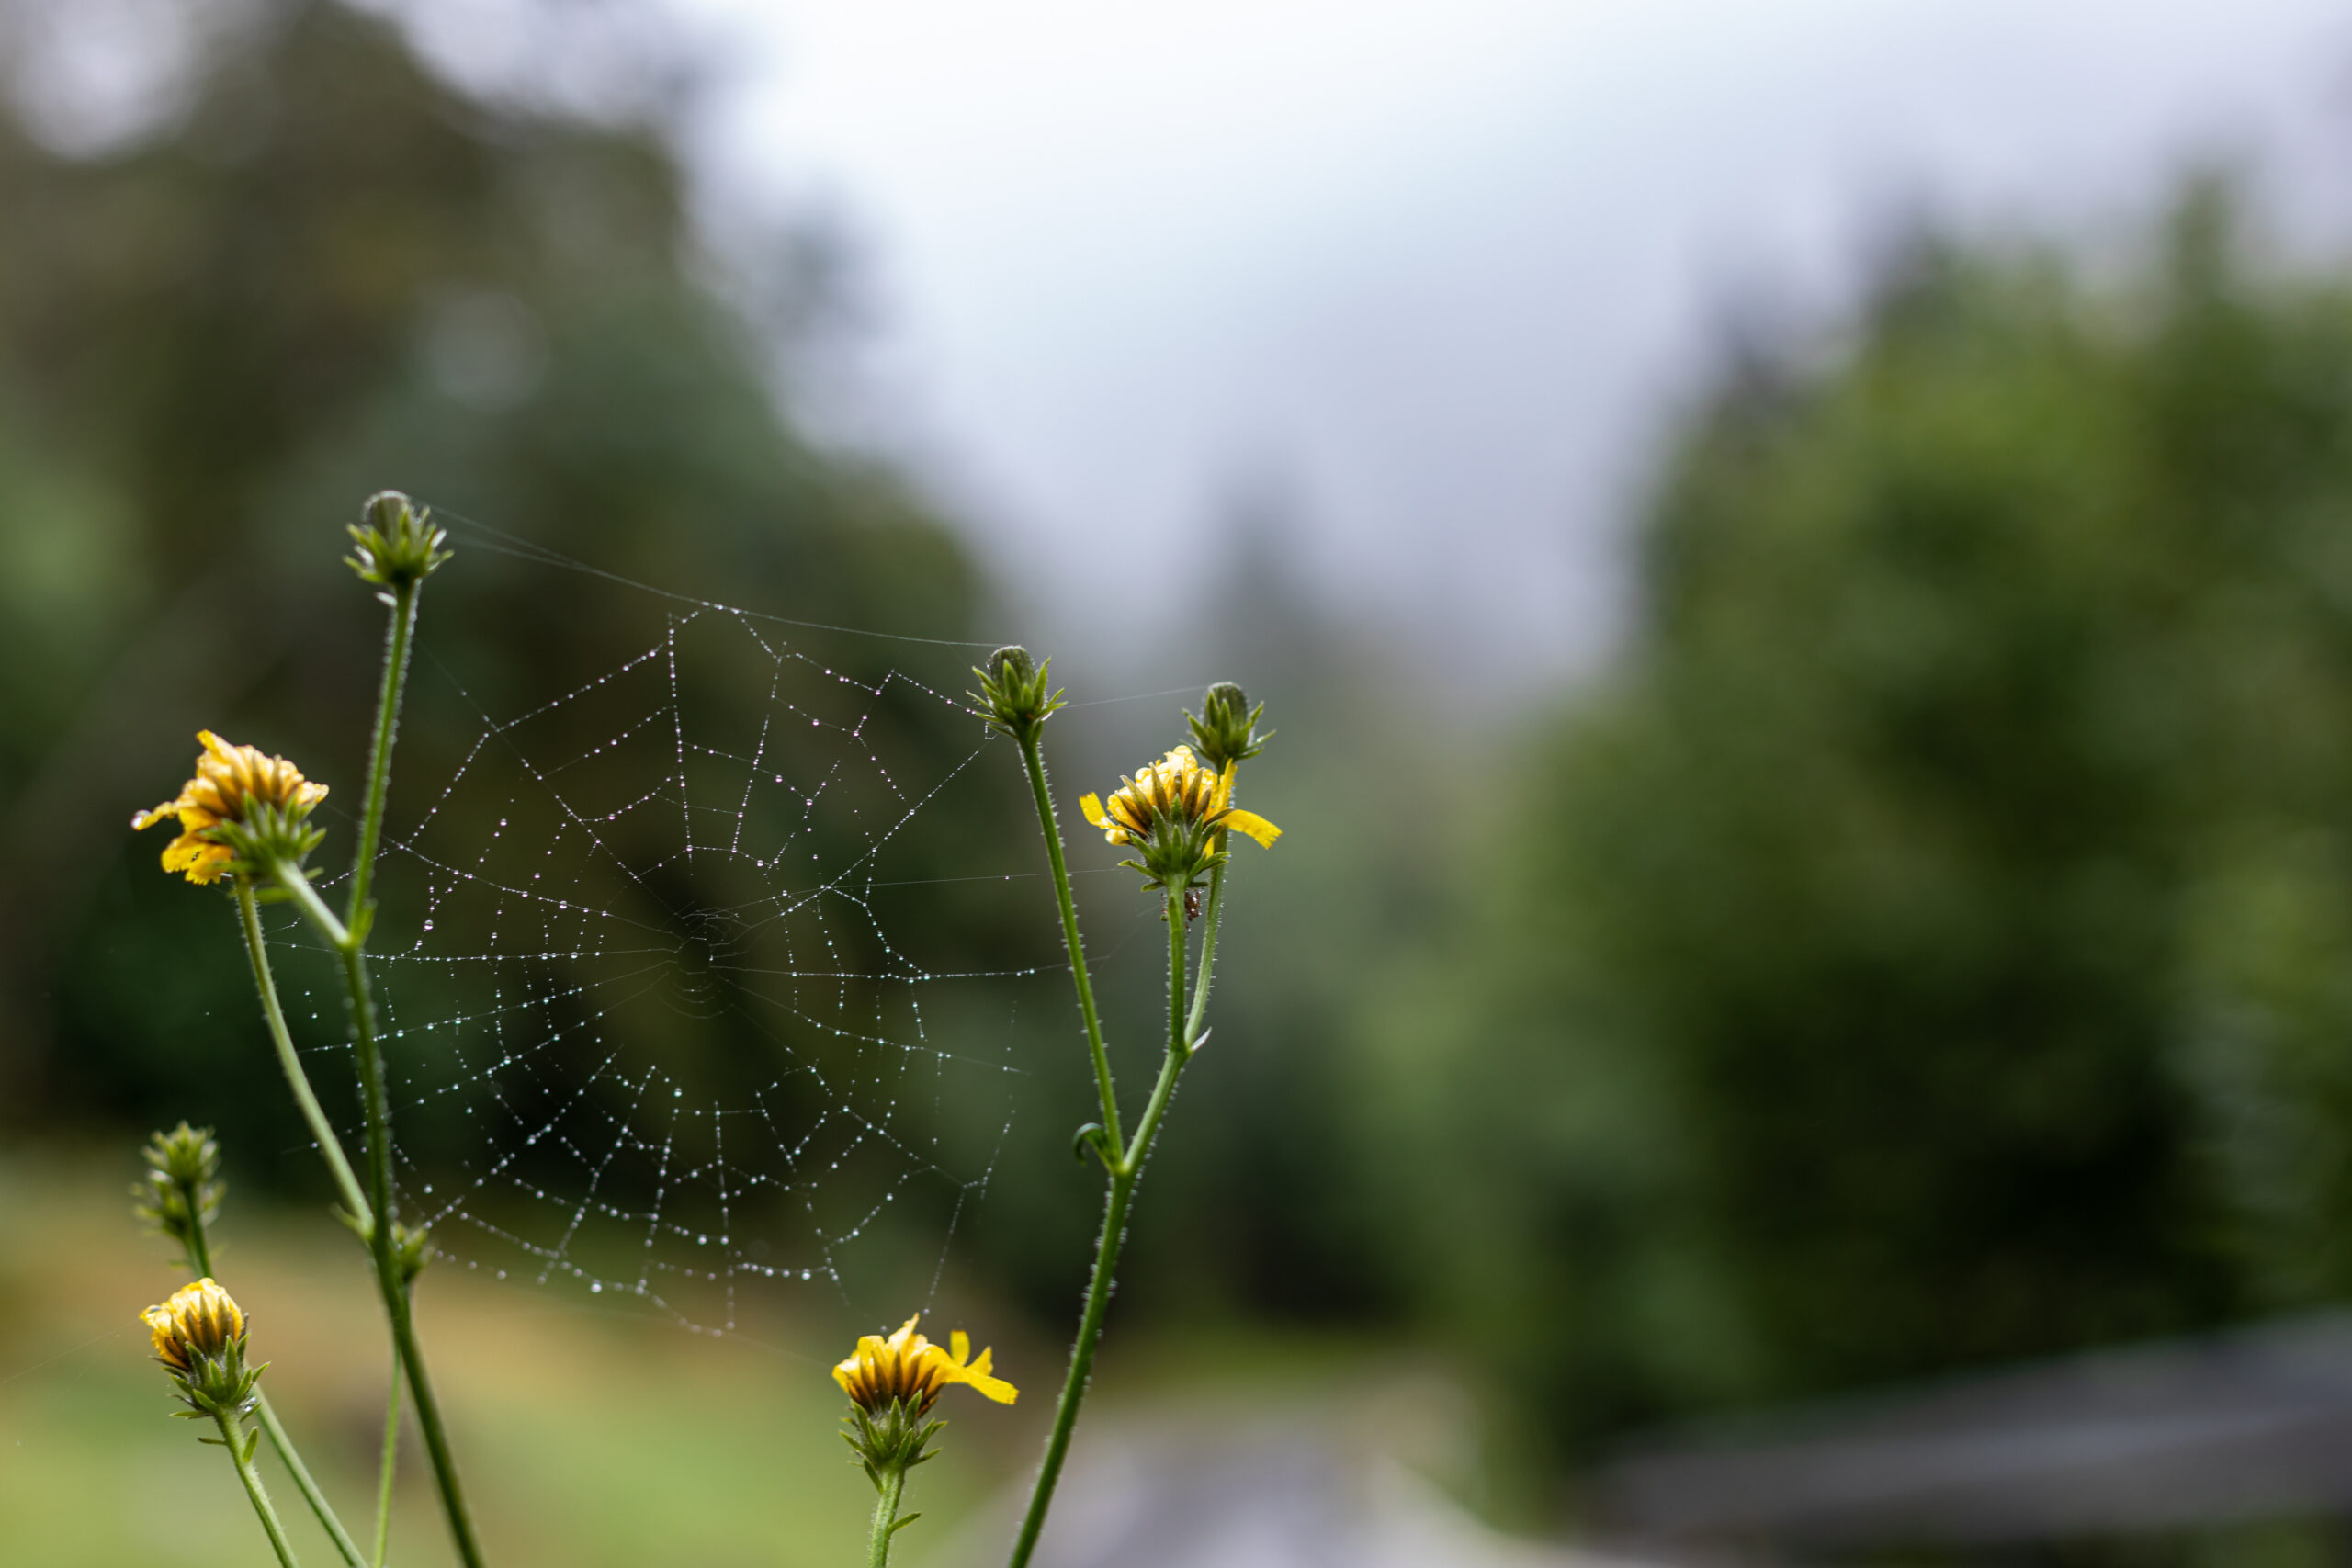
(675,998)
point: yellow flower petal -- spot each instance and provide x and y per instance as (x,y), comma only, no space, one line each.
(1254,825)
(987,1387)
(1090,806)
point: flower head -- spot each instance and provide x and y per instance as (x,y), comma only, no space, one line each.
(235,787)
(199,1336)
(1171,811)
(892,1384)
(909,1369)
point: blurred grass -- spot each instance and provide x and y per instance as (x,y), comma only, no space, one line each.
(586,1436)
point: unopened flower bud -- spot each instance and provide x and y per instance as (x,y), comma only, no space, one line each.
(398,545)
(199,1337)
(1014,696)
(182,1190)
(1227,730)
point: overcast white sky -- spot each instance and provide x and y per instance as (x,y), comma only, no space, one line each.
(1437,265)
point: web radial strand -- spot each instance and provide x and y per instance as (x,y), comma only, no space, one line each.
(681,997)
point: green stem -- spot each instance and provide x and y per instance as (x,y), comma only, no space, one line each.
(886,1517)
(389,1464)
(1033,758)
(1208,949)
(199,1263)
(344,1546)
(1123,1177)
(380,752)
(389,1284)
(1081,1364)
(330,1148)
(1149,1128)
(348,937)
(239,1454)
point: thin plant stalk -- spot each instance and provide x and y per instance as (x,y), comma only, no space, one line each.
(322,1133)
(886,1517)
(389,1464)
(1124,1175)
(348,938)
(199,1263)
(240,1451)
(1033,758)
(389,1283)
(1209,945)
(346,1548)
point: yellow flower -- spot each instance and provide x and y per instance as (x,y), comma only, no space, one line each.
(229,781)
(200,1320)
(908,1368)
(1177,786)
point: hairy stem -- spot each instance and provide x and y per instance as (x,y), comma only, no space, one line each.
(1123,1177)
(1032,757)
(886,1517)
(322,1133)
(348,938)
(235,1441)
(380,751)
(1081,1364)
(1208,948)
(389,1284)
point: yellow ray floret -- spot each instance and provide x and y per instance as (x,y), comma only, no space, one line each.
(230,780)
(1176,785)
(908,1369)
(198,1319)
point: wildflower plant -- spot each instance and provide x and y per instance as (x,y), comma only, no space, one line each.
(1178,815)
(892,1384)
(244,817)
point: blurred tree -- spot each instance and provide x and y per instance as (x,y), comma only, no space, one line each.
(328,272)
(1933,945)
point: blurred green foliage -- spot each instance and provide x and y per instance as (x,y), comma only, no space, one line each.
(1933,946)
(1930,943)
(333,273)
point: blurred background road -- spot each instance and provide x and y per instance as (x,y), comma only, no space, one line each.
(1802,561)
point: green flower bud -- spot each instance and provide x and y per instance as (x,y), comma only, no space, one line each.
(182,1189)
(1013,697)
(1226,730)
(398,547)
